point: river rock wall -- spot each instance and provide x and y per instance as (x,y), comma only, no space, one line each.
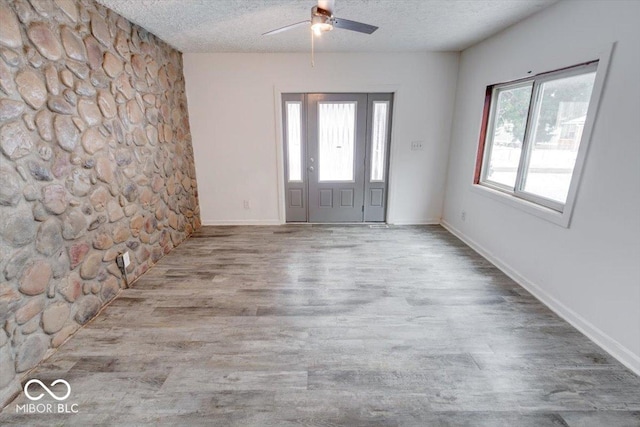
(95,159)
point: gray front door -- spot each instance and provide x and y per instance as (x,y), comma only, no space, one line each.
(336,156)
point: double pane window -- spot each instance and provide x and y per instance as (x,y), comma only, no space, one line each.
(533,135)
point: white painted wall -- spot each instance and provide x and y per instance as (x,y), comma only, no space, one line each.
(235,124)
(590,272)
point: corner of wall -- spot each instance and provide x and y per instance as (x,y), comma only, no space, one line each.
(611,346)
(95,159)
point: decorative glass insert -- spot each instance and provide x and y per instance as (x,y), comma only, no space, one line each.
(336,140)
(379,139)
(294,140)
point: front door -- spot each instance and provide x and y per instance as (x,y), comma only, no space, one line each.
(336,156)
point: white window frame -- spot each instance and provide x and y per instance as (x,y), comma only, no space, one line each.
(490,129)
(550,210)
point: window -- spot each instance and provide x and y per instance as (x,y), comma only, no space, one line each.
(336,140)
(378,140)
(294,138)
(532,134)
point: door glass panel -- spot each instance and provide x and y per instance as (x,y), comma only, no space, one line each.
(294,140)
(378,139)
(336,140)
(558,125)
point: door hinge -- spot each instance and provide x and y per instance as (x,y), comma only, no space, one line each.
(362,208)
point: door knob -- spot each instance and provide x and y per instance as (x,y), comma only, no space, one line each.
(311,169)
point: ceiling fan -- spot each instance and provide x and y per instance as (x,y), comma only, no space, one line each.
(322,20)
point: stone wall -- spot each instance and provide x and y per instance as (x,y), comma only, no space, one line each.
(96,159)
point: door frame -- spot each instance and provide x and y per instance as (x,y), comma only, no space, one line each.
(278,91)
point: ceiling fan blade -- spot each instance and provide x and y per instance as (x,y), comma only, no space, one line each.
(327,5)
(345,24)
(286,28)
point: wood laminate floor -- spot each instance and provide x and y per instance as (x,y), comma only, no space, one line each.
(332,325)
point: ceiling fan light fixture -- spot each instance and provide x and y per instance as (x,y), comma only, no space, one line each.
(321,20)
(321,27)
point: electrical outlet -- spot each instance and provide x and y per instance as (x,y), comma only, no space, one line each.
(123,260)
(247,205)
(463,216)
(417,145)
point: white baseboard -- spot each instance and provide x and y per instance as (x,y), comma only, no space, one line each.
(433,221)
(608,344)
(429,221)
(242,222)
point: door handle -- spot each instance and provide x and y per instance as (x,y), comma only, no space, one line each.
(311,169)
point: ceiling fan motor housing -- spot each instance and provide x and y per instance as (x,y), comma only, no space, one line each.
(321,19)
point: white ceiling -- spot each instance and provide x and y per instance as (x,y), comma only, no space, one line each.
(405,25)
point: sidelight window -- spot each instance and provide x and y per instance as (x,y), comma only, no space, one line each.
(379,139)
(294,140)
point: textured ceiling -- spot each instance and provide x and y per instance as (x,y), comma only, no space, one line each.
(405,25)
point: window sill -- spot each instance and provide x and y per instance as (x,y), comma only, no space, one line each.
(559,218)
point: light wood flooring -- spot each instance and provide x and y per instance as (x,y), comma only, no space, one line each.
(332,325)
